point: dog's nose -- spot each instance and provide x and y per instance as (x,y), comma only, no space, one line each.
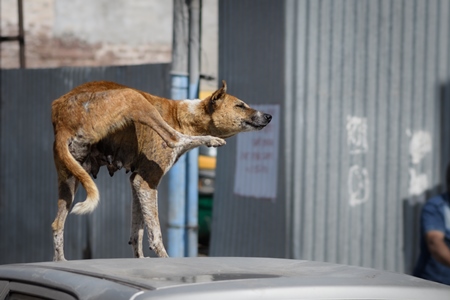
(268,117)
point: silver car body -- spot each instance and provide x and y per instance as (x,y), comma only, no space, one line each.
(210,278)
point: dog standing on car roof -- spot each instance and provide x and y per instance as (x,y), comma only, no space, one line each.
(108,124)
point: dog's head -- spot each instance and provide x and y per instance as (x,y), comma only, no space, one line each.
(230,115)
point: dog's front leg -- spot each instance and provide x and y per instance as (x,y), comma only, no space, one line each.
(190,142)
(145,200)
(137,220)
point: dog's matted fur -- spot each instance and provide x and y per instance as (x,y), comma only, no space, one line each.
(107,124)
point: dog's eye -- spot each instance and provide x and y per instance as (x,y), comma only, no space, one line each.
(240,105)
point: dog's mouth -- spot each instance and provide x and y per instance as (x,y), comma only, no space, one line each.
(259,122)
(255,125)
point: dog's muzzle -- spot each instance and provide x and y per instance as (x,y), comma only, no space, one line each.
(259,120)
(267,117)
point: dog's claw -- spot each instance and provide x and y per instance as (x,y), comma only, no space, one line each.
(215,142)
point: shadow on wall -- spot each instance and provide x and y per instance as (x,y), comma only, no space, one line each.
(411,226)
(413,205)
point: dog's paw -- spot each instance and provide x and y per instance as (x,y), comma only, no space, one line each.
(215,142)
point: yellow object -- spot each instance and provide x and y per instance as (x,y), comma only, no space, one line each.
(203,94)
(206,162)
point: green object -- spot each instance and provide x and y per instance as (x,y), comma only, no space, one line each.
(205,203)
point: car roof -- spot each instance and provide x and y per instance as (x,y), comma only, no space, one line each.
(265,278)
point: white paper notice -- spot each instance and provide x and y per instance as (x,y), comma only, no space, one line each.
(257,158)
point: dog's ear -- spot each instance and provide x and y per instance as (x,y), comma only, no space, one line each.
(217,96)
(220,93)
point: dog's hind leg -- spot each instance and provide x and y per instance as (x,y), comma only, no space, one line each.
(66,190)
(137,222)
(148,199)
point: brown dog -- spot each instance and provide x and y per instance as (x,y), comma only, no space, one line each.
(104,123)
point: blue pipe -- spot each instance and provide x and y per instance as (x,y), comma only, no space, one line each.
(177,184)
(192,191)
(192,204)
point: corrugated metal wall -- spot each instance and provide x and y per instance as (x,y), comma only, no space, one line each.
(28,191)
(362,85)
(251,60)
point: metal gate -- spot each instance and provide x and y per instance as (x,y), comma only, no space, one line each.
(28,186)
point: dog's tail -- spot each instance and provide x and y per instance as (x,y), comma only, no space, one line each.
(62,150)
